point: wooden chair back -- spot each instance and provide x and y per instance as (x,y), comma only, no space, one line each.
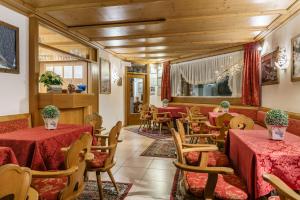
(217,109)
(223,121)
(94,120)
(154,112)
(112,142)
(75,156)
(14,182)
(195,111)
(119,125)
(241,122)
(181,130)
(145,107)
(178,145)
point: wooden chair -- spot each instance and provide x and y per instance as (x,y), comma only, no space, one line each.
(241,122)
(104,158)
(96,121)
(207,182)
(217,109)
(15,183)
(65,184)
(215,157)
(284,191)
(195,112)
(160,118)
(221,128)
(145,119)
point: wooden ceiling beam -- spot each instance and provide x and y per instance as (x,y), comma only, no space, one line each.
(292,10)
(206,32)
(189,44)
(118,24)
(102,3)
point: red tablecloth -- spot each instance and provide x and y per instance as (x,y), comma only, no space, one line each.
(39,148)
(253,154)
(213,115)
(7,156)
(173,110)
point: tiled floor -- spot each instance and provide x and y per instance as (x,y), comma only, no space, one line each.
(152,178)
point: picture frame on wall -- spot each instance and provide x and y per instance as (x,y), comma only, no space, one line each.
(9,48)
(295,71)
(269,71)
(105,77)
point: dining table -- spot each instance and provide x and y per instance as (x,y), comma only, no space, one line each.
(252,154)
(175,112)
(212,116)
(39,148)
(7,156)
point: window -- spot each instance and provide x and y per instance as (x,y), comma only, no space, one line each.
(58,70)
(68,72)
(78,72)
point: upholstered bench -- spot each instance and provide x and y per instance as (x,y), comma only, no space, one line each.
(12,123)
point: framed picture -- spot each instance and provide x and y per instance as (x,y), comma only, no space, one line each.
(269,72)
(9,48)
(105,77)
(296,58)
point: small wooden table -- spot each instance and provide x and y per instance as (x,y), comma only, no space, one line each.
(40,149)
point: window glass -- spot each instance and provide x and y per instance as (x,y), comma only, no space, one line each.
(49,68)
(78,72)
(58,70)
(68,72)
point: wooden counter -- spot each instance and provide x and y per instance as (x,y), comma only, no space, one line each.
(73,107)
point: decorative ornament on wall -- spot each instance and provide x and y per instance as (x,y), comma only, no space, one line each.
(117,79)
(281,59)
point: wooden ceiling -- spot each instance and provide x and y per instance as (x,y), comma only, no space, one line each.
(159,30)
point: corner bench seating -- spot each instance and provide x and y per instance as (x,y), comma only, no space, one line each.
(255,113)
(12,123)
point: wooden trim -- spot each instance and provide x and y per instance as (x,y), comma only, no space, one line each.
(17,69)
(118,24)
(207,100)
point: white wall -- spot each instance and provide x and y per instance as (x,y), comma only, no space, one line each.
(14,97)
(286,94)
(112,106)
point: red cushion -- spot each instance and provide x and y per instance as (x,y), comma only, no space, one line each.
(260,117)
(99,159)
(215,159)
(229,187)
(13,125)
(49,188)
(294,126)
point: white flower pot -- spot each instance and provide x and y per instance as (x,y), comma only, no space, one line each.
(54,89)
(165,105)
(276,132)
(225,110)
(51,123)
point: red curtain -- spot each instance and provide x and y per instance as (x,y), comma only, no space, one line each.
(166,82)
(251,80)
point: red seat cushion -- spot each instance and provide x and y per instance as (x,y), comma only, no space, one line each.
(99,159)
(229,187)
(13,125)
(215,159)
(49,188)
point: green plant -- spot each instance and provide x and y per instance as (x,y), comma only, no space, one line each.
(225,104)
(50,111)
(50,78)
(165,101)
(277,117)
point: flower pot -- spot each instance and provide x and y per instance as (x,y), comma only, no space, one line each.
(51,123)
(165,105)
(225,110)
(276,132)
(54,89)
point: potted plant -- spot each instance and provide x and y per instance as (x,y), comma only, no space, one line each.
(50,116)
(225,106)
(165,102)
(277,122)
(52,81)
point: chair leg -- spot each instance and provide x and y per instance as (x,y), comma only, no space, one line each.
(160,127)
(98,175)
(113,180)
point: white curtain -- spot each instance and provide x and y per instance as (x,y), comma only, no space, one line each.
(207,70)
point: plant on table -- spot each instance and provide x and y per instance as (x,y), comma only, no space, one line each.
(50,115)
(165,102)
(277,121)
(51,80)
(225,106)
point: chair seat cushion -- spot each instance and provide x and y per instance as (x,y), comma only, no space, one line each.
(99,159)
(49,188)
(229,187)
(215,159)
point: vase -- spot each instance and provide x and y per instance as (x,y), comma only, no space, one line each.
(50,123)
(54,89)
(165,105)
(225,110)
(276,132)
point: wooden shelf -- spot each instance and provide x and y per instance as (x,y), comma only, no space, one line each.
(64,101)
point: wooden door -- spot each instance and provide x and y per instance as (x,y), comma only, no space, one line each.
(136,96)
